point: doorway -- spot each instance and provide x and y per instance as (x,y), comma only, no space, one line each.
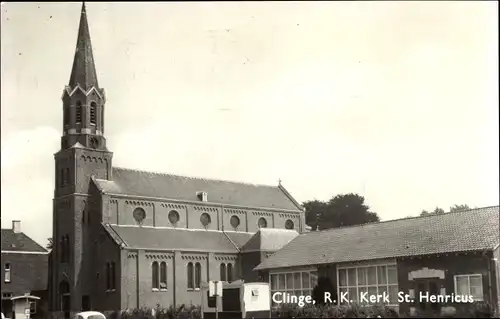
(427,287)
(65,298)
(86,303)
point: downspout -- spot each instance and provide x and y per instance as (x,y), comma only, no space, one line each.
(488,261)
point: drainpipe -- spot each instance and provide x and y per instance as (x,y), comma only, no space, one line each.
(488,261)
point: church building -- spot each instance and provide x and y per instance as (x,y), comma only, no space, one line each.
(126,238)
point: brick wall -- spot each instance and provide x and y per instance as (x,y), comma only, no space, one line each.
(472,263)
(120,211)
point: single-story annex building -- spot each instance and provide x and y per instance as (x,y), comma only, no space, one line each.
(448,254)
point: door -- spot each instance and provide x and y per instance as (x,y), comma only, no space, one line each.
(86,303)
(66,299)
(427,287)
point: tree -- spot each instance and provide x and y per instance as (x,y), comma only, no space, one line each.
(436,211)
(341,210)
(50,243)
(459,208)
(453,209)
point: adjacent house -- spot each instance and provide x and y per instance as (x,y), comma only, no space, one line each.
(448,254)
(25,269)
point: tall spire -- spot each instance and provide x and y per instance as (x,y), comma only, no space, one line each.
(83,72)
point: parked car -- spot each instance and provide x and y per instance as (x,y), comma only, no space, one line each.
(89,315)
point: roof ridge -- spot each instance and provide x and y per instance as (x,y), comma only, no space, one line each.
(232,242)
(194,177)
(404,218)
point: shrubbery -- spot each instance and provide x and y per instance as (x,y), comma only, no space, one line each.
(332,311)
(476,310)
(181,312)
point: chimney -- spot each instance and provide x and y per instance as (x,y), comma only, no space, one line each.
(16,226)
(203,196)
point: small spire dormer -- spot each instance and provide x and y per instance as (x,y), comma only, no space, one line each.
(83,99)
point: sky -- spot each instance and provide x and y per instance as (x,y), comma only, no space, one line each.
(395,101)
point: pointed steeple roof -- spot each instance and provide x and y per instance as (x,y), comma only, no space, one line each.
(83,72)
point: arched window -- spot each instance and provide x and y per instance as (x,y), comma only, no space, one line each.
(163,275)
(78,112)
(67,253)
(113,276)
(102,119)
(289,224)
(66,176)
(93,110)
(108,276)
(190,273)
(229,272)
(197,275)
(63,249)
(262,222)
(66,116)
(155,276)
(223,272)
(62,179)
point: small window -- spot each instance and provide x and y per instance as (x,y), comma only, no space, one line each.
(173,217)
(62,179)
(32,307)
(205,219)
(155,276)
(197,276)
(113,276)
(7,272)
(289,224)
(139,215)
(163,275)
(235,221)
(229,272)
(190,274)
(223,272)
(93,110)
(108,276)
(262,222)
(66,176)
(66,117)
(78,112)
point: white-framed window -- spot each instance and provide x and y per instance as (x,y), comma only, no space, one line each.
(371,279)
(7,272)
(470,285)
(297,283)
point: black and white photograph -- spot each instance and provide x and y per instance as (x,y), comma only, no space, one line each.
(253,159)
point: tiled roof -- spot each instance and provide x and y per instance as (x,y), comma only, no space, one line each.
(270,239)
(149,184)
(19,242)
(476,229)
(171,238)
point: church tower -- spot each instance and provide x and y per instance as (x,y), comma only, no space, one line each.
(83,155)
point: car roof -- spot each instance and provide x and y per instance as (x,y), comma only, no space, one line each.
(89,313)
